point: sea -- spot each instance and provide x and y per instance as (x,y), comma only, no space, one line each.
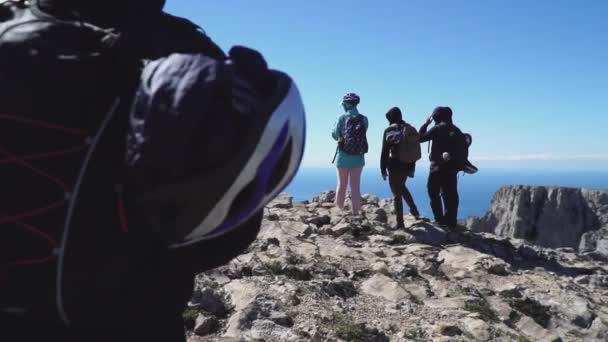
(476,191)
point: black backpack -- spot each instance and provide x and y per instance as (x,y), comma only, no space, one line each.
(66,87)
(354,134)
(459,144)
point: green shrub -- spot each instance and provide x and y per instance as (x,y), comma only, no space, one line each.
(275,267)
(346,328)
(533,309)
(481,306)
(189,315)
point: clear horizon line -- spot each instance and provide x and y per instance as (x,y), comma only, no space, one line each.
(542,157)
(512,158)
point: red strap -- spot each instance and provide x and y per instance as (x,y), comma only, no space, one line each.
(122,215)
(7,157)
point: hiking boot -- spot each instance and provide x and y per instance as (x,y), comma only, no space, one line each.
(439,223)
(399,226)
(414,212)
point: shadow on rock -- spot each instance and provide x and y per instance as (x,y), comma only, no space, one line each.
(521,256)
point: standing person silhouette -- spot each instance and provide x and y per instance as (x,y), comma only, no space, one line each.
(442,184)
(350,131)
(399,162)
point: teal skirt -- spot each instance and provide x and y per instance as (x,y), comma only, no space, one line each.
(349,161)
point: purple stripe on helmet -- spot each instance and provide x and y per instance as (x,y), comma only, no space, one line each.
(262,179)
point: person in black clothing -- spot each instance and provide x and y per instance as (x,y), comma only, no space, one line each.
(398,171)
(443,182)
(147,283)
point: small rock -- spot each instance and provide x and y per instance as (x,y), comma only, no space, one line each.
(392,253)
(477,328)
(319,221)
(205,325)
(382,286)
(380,239)
(301,229)
(340,229)
(343,288)
(273,217)
(370,199)
(403,271)
(380,215)
(400,238)
(281,319)
(379,230)
(207,299)
(380,267)
(582,280)
(297,273)
(283,201)
(325,197)
(325,230)
(378,251)
(449,330)
(494,266)
(534,331)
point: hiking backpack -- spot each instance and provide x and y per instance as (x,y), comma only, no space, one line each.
(404,143)
(66,88)
(354,135)
(459,144)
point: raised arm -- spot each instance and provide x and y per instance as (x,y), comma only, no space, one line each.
(425,133)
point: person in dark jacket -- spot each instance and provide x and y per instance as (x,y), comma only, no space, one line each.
(397,171)
(155,282)
(442,184)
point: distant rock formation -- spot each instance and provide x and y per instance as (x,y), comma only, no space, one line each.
(550,217)
(317,273)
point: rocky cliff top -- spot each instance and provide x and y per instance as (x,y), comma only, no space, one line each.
(318,274)
(550,217)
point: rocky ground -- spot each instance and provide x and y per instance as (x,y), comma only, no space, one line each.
(318,274)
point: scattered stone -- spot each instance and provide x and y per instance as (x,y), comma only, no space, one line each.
(401,238)
(380,267)
(382,286)
(340,229)
(205,325)
(534,331)
(462,262)
(281,318)
(325,197)
(319,220)
(370,199)
(208,300)
(343,288)
(317,273)
(380,239)
(296,272)
(283,201)
(449,330)
(380,215)
(477,328)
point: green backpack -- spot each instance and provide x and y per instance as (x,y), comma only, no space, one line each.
(405,143)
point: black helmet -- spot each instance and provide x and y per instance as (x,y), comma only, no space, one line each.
(351,98)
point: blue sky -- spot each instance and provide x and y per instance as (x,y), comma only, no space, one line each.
(528,79)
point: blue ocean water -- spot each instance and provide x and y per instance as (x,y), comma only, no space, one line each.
(475,191)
